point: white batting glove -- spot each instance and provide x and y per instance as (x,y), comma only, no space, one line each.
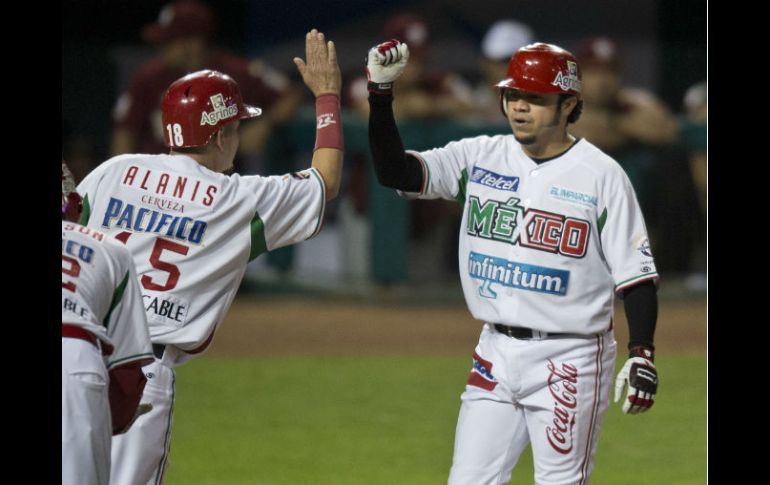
(640,375)
(384,64)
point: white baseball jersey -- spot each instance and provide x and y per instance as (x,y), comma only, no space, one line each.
(192,231)
(100,293)
(543,245)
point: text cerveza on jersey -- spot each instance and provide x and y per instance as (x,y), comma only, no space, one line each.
(176,191)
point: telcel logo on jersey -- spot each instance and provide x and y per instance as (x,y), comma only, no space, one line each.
(221,112)
(489,178)
(492,270)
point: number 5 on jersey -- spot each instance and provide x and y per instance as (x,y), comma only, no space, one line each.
(172,270)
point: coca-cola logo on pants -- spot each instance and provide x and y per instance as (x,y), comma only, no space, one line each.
(562,383)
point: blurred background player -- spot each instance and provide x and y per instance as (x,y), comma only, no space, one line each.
(192,230)
(694,136)
(501,40)
(426,92)
(182,35)
(614,115)
(104,344)
(637,129)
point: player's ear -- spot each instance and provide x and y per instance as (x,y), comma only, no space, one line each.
(568,104)
(218,139)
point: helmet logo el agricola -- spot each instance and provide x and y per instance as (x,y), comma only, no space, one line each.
(221,112)
(569,81)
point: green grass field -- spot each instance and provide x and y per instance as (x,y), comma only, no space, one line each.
(390,420)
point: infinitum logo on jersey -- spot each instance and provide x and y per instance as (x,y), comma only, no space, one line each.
(489,178)
(570,80)
(492,270)
(221,112)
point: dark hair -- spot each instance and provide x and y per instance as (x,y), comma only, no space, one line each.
(575,113)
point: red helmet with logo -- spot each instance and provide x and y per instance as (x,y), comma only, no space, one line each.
(198,105)
(543,68)
(71,202)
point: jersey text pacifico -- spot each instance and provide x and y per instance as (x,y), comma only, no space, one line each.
(131,218)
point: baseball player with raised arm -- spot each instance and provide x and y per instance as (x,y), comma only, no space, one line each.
(192,229)
(104,344)
(551,232)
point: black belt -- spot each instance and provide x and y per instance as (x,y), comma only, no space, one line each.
(523,333)
(158,350)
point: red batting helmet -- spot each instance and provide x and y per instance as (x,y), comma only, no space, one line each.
(543,68)
(198,105)
(71,202)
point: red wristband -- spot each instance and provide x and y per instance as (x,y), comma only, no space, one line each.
(328,122)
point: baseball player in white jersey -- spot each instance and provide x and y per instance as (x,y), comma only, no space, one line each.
(551,231)
(192,229)
(104,344)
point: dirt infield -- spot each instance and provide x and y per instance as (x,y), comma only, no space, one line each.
(311,327)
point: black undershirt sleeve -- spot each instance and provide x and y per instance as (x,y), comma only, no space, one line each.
(394,167)
(641,305)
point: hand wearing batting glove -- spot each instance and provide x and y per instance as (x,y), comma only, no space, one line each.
(642,379)
(384,64)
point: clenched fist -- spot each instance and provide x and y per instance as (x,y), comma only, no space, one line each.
(384,64)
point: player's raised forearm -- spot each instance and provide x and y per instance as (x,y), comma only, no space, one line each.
(321,74)
(394,168)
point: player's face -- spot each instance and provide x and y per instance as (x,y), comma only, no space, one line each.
(534,117)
